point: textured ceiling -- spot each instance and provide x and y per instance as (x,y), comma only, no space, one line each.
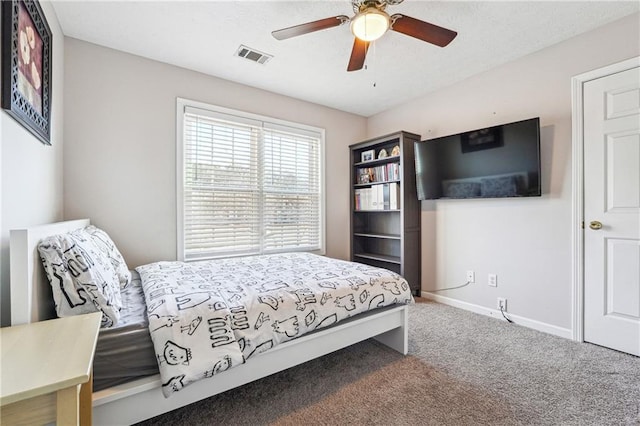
(204,35)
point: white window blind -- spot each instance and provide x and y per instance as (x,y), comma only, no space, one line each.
(249,186)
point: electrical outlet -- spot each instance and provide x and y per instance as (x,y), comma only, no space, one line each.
(471,276)
(492,280)
(502,304)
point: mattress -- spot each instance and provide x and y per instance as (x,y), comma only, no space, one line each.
(125,352)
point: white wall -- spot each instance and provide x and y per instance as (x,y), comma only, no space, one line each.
(527,242)
(120,160)
(31,176)
(119,152)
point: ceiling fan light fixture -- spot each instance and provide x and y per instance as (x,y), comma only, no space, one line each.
(370,24)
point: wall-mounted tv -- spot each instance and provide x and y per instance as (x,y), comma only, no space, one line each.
(496,162)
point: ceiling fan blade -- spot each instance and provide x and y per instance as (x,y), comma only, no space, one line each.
(310,27)
(422,30)
(358,55)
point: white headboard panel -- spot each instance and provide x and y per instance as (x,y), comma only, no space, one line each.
(31,298)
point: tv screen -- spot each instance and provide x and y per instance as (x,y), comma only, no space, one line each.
(496,162)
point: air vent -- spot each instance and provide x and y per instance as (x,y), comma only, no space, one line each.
(253,55)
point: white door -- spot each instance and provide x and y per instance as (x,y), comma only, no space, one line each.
(612,211)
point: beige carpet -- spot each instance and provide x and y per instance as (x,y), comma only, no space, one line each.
(406,391)
(463,369)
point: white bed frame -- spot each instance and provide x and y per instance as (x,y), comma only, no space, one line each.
(141,399)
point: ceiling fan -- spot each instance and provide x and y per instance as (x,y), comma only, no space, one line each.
(369,23)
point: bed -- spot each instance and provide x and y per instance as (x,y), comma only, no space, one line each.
(141,399)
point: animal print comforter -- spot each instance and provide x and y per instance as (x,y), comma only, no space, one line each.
(207,317)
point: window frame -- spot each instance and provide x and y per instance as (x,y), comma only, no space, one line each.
(181,105)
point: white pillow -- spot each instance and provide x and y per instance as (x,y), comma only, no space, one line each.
(102,240)
(82,278)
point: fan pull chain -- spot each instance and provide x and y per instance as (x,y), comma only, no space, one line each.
(375,60)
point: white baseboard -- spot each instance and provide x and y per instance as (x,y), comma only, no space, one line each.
(495,313)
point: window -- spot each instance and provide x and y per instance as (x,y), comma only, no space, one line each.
(247,184)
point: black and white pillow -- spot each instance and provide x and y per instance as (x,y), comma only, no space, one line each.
(106,245)
(82,279)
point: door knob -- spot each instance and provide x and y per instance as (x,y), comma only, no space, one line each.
(595,225)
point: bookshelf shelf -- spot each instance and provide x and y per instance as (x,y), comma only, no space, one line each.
(377,161)
(367,235)
(380,257)
(385,211)
(364,185)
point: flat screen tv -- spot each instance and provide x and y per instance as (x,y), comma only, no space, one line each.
(496,162)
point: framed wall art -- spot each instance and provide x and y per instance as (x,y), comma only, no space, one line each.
(26,66)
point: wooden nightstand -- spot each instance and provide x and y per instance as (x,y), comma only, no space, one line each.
(46,371)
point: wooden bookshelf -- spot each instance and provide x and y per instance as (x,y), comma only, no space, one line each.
(385,233)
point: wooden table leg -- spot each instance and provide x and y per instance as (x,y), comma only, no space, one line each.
(86,401)
(68,406)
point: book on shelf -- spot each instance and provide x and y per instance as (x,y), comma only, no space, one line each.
(384,191)
(382,173)
(362,199)
(378,197)
(394,196)
(375,204)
